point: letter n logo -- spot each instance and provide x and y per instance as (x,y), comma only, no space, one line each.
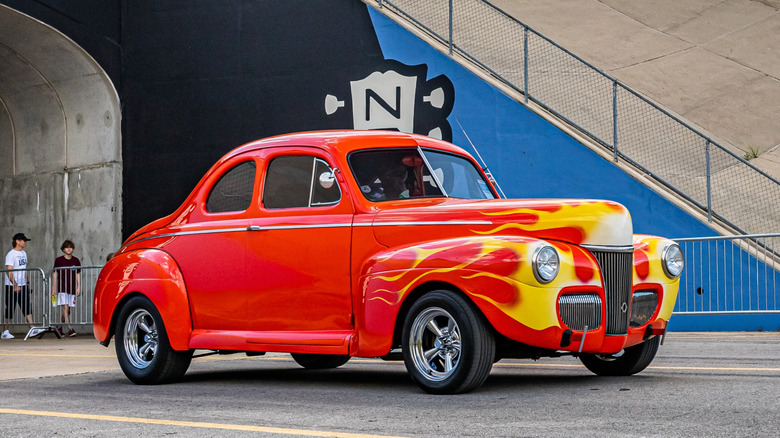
(384,101)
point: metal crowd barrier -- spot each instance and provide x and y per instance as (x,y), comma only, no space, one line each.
(35,279)
(67,279)
(46,316)
(729,275)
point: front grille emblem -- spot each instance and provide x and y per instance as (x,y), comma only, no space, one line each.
(624,307)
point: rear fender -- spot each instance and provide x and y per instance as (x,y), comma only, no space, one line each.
(149,272)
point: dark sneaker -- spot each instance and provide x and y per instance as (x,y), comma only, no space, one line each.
(59,329)
(71,333)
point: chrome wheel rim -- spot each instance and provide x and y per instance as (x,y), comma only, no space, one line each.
(140,338)
(435,344)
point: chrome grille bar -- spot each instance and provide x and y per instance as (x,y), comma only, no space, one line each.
(616,272)
(580,311)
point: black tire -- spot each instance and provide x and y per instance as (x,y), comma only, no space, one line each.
(631,361)
(142,346)
(459,343)
(319,361)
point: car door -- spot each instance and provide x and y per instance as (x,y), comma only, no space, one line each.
(299,252)
(209,245)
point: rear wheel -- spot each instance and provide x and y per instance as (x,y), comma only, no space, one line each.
(319,361)
(142,346)
(630,361)
(448,347)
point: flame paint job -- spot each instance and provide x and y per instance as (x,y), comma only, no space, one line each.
(337,279)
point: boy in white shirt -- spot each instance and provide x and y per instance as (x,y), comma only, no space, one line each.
(16,290)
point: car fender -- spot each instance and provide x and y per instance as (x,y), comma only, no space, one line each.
(152,273)
(494,272)
(648,267)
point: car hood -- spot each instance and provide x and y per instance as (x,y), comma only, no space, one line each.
(576,221)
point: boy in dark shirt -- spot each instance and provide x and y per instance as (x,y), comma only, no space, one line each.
(66,282)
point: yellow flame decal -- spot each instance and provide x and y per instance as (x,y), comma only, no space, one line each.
(382,299)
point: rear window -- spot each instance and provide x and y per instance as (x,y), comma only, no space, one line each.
(233,191)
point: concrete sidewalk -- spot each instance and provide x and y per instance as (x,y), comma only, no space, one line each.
(50,356)
(715,63)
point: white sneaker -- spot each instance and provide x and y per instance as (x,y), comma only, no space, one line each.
(7,335)
(35,332)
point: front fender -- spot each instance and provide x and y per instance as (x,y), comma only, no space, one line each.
(149,272)
(648,267)
(494,272)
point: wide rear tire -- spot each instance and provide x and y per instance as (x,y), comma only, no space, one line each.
(631,361)
(448,346)
(142,346)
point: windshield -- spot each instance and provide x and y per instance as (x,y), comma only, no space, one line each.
(389,174)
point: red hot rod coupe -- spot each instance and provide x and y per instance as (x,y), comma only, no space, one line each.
(338,244)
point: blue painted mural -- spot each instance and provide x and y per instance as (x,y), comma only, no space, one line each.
(532,158)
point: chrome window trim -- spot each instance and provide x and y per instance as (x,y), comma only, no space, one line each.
(433,174)
(314,181)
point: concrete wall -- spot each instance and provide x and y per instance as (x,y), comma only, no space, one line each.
(60,161)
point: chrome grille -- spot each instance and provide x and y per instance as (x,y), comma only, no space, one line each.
(578,311)
(616,272)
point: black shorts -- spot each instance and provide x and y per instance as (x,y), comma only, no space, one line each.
(13,298)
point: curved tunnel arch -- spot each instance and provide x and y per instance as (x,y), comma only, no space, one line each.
(60,144)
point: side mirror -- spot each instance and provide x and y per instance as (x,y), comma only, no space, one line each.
(327,180)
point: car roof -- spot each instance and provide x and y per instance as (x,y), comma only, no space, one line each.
(343,142)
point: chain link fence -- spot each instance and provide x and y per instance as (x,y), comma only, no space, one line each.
(708,175)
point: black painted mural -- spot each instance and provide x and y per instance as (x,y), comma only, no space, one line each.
(197,78)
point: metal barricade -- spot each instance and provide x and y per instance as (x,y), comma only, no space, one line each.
(729,275)
(67,281)
(11,302)
(47,315)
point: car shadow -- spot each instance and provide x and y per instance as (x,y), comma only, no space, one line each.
(384,379)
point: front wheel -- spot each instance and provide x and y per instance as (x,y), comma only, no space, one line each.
(630,361)
(142,346)
(319,361)
(448,347)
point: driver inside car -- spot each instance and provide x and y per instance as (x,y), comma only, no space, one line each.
(394,182)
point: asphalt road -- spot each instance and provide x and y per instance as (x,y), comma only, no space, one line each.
(700,385)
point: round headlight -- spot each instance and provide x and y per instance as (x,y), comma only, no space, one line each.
(545,264)
(673,261)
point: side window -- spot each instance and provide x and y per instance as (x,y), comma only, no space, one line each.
(299,181)
(392,174)
(324,188)
(233,192)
